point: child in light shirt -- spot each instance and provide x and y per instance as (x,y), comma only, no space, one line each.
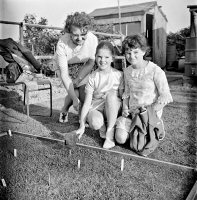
(145,85)
(103,96)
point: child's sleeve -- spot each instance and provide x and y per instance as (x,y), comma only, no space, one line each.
(161,83)
(90,84)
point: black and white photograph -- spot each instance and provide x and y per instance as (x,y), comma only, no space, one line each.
(98,100)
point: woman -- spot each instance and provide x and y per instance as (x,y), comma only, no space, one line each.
(76,46)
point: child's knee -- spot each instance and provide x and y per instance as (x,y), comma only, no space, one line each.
(112,101)
(96,124)
(95,120)
(121,136)
(111,96)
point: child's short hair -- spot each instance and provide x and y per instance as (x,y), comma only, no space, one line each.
(81,20)
(134,42)
(105,45)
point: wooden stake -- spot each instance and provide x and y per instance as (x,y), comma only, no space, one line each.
(79,164)
(3,134)
(10,133)
(3,182)
(49,179)
(15,153)
(122,164)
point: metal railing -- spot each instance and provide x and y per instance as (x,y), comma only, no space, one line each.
(22,25)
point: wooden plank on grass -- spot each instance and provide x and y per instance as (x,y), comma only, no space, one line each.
(3,134)
(69,139)
(70,134)
(193,193)
(134,156)
(38,137)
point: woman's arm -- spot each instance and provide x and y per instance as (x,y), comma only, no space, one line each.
(61,58)
(84,71)
(68,84)
(84,112)
(92,42)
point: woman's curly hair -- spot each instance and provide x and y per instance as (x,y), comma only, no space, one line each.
(81,20)
(133,42)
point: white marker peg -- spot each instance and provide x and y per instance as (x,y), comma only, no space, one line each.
(10,133)
(79,162)
(3,182)
(70,152)
(49,179)
(15,153)
(122,164)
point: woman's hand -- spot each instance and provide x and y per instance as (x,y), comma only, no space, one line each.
(158,106)
(80,131)
(76,81)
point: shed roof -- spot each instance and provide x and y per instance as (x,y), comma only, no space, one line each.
(124,9)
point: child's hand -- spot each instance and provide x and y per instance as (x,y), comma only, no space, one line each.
(158,106)
(125,112)
(80,131)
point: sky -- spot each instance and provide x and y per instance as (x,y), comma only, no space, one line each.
(56,11)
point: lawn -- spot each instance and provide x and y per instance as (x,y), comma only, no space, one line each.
(46,171)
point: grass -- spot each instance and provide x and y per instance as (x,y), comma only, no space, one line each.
(44,170)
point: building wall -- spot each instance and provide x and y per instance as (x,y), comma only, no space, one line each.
(128,28)
(159,38)
(115,20)
(137,24)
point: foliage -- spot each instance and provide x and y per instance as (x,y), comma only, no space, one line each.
(108,28)
(178,39)
(42,41)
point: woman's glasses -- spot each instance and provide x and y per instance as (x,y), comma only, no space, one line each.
(83,35)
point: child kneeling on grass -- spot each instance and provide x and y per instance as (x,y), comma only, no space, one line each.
(103,96)
(146,93)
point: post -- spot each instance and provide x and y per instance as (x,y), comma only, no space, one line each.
(21,33)
(119,14)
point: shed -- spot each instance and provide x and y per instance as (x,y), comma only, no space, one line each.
(146,18)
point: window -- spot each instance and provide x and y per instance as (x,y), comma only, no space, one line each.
(128,28)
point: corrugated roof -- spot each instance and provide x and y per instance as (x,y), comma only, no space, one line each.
(124,9)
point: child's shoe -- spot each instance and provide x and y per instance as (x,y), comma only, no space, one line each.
(63,117)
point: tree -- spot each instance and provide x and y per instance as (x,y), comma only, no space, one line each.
(43,41)
(108,28)
(179,39)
